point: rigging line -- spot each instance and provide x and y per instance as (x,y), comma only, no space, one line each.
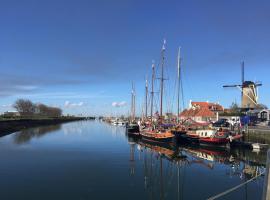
(189,86)
(182,91)
(170,93)
(234,188)
(175,91)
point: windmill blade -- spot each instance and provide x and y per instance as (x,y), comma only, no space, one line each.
(258,84)
(243,72)
(257,94)
(232,86)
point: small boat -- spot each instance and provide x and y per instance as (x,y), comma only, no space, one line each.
(178,132)
(114,122)
(157,135)
(132,128)
(121,123)
(209,136)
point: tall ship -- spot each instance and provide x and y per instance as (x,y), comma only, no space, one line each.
(154,131)
(132,126)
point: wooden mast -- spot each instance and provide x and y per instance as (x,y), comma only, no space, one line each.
(146,98)
(178,83)
(152,90)
(133,103)
(162,79)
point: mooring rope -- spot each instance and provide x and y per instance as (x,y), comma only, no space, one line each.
(234,188)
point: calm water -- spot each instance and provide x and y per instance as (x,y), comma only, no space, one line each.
(93,160)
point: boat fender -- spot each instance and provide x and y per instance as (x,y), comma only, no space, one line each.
(220,134)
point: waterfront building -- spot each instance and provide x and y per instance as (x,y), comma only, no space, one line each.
(202,111)
(11,114)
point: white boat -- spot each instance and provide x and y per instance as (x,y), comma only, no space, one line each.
(121,123)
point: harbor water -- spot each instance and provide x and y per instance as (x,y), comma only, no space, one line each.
(94,160)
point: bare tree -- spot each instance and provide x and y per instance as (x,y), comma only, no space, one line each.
(44,110)
(25,107)
(29,109)
(54,112)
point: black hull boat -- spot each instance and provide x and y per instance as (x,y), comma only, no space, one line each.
(155,140)
(178,134)
(190,139)
(133,130)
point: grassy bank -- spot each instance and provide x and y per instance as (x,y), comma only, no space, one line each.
(11,125)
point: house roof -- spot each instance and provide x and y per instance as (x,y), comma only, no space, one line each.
(211,106)
(197,112)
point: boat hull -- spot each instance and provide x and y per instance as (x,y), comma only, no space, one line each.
(133,129)
(214,141)
(157,137)
(178,134)
(190,139)
(158,140)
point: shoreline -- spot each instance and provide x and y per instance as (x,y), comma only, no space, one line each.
(9,126)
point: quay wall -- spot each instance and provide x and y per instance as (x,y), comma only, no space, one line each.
(13,125)
(258,134)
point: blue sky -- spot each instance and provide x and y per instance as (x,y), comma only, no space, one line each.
(83,55)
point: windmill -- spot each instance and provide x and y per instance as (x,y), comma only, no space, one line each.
(249,91)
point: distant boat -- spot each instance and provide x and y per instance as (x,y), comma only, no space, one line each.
(132,128)
(114,122)
(118,122)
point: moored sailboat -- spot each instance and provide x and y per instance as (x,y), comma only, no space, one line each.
(132,127)
(155,132)
(178,130)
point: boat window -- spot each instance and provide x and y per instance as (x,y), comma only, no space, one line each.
(205,133)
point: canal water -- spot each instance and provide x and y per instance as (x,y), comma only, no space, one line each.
(93,160)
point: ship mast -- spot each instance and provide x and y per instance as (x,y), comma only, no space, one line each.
(132,103)
(146,98)
(178,84)
(162,78)
(152,90)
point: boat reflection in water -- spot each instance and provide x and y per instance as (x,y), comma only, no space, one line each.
(166,167)
(159,163)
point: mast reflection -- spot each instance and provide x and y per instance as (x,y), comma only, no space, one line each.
(164,166)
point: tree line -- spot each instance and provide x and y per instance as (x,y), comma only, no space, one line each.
(27,108)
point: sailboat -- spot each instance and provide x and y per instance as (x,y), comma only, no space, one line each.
(132,127)
(178,130)
(155,132)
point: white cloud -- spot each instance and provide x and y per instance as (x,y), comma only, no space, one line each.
(7,105)
(68,104)
(27,87)
(119,104)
